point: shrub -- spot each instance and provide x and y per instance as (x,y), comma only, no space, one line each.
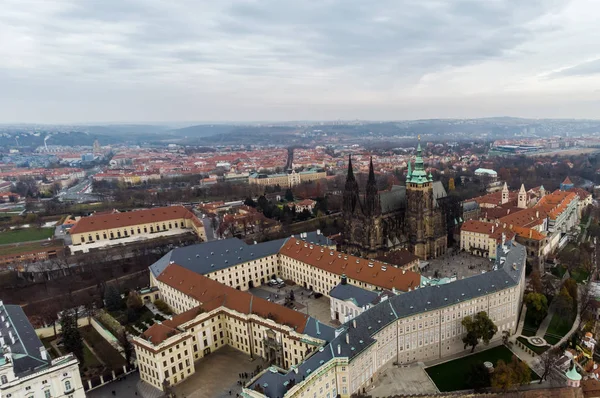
(162,306)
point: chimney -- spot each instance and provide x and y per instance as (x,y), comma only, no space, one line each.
(354,323)
(492,229)
(347,338)
(339,349)
(318,232)
(537,214)
(344,279)
(44,353)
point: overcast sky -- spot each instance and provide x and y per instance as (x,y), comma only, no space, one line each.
(218,60)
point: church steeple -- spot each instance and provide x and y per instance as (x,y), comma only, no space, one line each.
(371,194)
(350,190)
(419,175)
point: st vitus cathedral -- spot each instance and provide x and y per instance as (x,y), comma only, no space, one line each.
(404,217)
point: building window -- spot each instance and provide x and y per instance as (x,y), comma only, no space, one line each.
(3,379)
(67,385)
(47,394)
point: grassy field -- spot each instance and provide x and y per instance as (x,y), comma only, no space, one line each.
(454,375)
(110,356)
(25,235)
(89,359)
(558,328)
(19,248)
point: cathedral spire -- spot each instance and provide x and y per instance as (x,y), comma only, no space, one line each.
(351,194)
(372,206)
(418,175)
(419,166)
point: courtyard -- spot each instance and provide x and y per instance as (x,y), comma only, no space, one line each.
(318,308)
(456,264)
(402,380)
(218,374)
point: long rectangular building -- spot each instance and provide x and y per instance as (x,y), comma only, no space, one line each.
(111,229)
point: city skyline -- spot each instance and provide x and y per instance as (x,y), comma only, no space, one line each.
(69,62)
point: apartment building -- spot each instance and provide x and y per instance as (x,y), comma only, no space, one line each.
(415,326)
(26,369)
(482,238)
(102,230)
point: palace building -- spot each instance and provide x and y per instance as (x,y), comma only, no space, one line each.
(388,314)
(406,216)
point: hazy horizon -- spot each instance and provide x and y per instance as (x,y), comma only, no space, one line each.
(155,62)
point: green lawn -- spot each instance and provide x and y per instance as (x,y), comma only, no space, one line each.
(454,375)
(529,326)
(25,235)
(89,359)
(551,339)
(559,326)
(110,356)
(536,349)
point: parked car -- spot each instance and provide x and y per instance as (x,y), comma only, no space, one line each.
(272,282)
(280,282)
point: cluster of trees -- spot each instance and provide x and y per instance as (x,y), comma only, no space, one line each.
(479,328)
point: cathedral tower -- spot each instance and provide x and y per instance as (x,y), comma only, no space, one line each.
(372,205)
(504,194)
(425,225)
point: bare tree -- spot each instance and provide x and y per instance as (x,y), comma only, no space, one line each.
(547,360)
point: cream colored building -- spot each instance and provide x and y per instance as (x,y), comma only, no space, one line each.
(26,369)
(286,180)
(102,230)
(482,238)
(420,325)
(204,284)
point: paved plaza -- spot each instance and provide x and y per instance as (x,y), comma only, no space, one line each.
(124,388)
(402,380)
(303,302)
(218,374)
(456,263)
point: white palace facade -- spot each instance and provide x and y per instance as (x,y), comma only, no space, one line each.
(205,286)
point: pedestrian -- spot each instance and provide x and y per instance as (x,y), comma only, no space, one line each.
(229,392)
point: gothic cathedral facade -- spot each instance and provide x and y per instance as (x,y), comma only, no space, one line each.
(403,217)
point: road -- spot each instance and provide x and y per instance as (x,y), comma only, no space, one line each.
(80,192)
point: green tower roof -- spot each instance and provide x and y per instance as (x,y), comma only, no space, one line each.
(419,175)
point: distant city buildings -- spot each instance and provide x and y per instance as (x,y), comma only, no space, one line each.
(286,180)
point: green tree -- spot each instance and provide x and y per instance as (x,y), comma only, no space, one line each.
(127,347)
(502,378)
(537,307)
(571,286)
(71,337)
(521,372)
(564,303)
(479,377)
(112,299)
(480,327)
(535,281)
(289,195)
(134,301)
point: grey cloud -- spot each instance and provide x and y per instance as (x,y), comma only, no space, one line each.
(582,69)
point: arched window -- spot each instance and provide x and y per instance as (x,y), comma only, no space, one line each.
(47,394)
(67,385)
(3,379)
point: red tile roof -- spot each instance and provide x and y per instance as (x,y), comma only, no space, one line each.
(120,220)
(212,295)
(378,274)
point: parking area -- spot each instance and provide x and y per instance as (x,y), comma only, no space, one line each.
(402,380)
(217,375)
(458,264)
(318,308)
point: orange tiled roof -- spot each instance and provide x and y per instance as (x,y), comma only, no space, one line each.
(525,218)
(354,267)
(556,202)
(120,220)
(212,295)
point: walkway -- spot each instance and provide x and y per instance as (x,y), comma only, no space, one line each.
(156,311)
(543,328)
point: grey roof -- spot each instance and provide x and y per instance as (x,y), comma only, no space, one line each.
(315,239)
(470,206)
(319,330)
(417,301)
(394,199)
(359,296)
(438,192)
(25,350)
(215,255)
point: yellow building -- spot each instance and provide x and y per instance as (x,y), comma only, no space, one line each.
(115,228)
